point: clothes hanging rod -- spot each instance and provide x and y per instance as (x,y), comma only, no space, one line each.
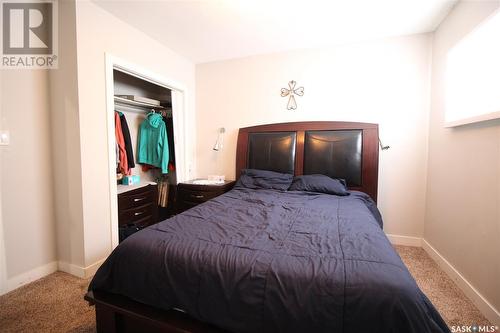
(128,107)
(128,102)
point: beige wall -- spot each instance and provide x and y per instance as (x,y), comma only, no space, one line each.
(99,32)
(54,175)
(40,166)
(3,273)
(26,173)
(66,143)
(463,191)
(385,82)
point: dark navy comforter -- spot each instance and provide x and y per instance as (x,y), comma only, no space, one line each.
(270,261)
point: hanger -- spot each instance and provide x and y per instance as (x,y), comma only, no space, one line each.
(163,113)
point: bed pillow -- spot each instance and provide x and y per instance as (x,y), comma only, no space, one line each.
(320,184)
(255,179)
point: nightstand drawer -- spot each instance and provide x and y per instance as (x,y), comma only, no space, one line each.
(141,223)
(185,205)
(190,194)
(197,196)
(135,198)
(135,214)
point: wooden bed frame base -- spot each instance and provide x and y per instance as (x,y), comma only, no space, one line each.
(115,313)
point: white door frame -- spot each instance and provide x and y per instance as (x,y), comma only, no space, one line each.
(179,107)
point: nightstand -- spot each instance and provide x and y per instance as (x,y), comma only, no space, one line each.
(190,194)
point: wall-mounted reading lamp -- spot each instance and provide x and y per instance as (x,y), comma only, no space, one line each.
(220,139)
(382,146)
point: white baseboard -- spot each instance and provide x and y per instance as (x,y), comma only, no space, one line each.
(81,272)
(30,276)
(71,269)
(91,269)
(405,240)
(42,271)
(486,308)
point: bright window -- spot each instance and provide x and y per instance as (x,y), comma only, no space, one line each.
(473,75)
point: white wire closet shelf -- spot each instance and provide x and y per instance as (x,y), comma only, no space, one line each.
(128,102)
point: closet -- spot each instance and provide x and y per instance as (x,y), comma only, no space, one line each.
(145,152)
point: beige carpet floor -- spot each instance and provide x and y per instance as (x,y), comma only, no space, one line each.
(455,308)
(55,303)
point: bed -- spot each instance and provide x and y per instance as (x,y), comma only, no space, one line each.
(266,259)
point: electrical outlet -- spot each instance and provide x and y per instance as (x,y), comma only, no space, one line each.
(4,138)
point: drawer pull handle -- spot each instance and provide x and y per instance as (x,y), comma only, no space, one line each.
(197,196)
(139,213)
(139,199)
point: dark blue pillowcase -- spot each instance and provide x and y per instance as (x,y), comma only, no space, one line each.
(255,179)
(320,184)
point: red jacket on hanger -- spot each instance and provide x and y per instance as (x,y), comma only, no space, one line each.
(123,164)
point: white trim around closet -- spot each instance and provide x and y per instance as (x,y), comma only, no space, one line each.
(179,108)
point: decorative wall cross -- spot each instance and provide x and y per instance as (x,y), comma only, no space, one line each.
(292,105)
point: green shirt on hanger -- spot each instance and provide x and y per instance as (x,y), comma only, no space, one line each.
(153,142)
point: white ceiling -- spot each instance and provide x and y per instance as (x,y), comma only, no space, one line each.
(213,30)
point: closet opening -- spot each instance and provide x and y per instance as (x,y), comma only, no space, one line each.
(145,165)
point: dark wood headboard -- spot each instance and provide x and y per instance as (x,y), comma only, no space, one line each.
(328,146)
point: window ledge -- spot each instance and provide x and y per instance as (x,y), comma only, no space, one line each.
(472,120)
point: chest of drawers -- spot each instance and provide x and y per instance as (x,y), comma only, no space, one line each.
(138,207)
